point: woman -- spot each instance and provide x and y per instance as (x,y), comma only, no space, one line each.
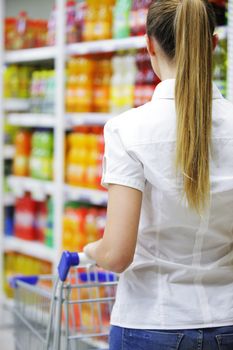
(169,170)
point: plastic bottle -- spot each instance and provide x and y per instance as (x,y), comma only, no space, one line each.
(10,30)
(41,220)
(129,77)
(41,160)
(102,80)
(103,24)
(22,153)
(24,221)
(81,8)
(49,224)
(90,21)
(116,96)
(121,21)
(71,29)
(21,41)
(51,35)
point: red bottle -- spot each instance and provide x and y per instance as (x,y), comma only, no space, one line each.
(24,223)
(41,220)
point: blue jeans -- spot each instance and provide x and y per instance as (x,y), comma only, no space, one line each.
(199,339)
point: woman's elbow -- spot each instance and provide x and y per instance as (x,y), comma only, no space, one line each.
(118,264)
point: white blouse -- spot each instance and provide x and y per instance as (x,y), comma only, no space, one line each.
(182,273)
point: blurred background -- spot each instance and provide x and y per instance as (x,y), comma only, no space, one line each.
(66,67)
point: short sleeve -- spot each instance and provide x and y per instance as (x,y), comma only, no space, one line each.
(120,166)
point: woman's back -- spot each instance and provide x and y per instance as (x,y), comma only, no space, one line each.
(182,273)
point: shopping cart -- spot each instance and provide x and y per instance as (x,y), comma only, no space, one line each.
(68,312)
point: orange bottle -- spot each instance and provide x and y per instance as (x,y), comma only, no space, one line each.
(22,153)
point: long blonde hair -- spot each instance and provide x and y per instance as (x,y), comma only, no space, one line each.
(184,29)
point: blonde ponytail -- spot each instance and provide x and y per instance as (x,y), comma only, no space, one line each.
(184,29)
(193,95)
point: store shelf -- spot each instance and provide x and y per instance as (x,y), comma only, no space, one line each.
(95,197)
(76,119)
(31,120)
(106,45)
(8,151)
(34,249)
(8,199)
(16,105)
(30,55)
(39,189)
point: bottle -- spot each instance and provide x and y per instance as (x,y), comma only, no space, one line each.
(81,8)
(129,78)
(21,41)
(10,30)
(121,21)
(41,159)
(24,219)
(90,21)
(49,224)
(102,78)
(41,220)
(22,153)
(133,18)
(51,32)
(116,96)
(71,29)
(103,23)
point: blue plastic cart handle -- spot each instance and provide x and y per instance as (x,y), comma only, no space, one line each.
(32,280)
(67,261)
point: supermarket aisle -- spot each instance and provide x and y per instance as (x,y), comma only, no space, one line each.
(6,334)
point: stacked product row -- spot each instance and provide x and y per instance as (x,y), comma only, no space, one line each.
(85,21)
(110,83)
(32,220)
(15,264)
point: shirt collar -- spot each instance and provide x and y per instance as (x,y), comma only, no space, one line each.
(166,90)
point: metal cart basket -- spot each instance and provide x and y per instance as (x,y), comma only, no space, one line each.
(68,312)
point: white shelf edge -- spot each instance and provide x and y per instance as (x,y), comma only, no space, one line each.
(30,55)
(8,152)
(110,45)
(38,188)
(31,120)
(76,119)
(48,53)
(96,197)
(31,248)
(16,104)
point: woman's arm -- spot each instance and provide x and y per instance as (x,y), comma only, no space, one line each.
(115,251)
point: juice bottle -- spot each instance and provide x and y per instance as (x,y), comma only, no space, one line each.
(71,29)
(40,220)
(81,8)
(103,24)
(90,21)
(121,20)
(116,96)
(91,229)
(133,17)
(24,221)
(21,41)
(10,30)
(22,153)
(49,223)
(102,80)
(51,34)
(129,78)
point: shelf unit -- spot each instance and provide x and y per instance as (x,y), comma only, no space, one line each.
(33,249)
(17,114)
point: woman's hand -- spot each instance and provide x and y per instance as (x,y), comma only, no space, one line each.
(115,251)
